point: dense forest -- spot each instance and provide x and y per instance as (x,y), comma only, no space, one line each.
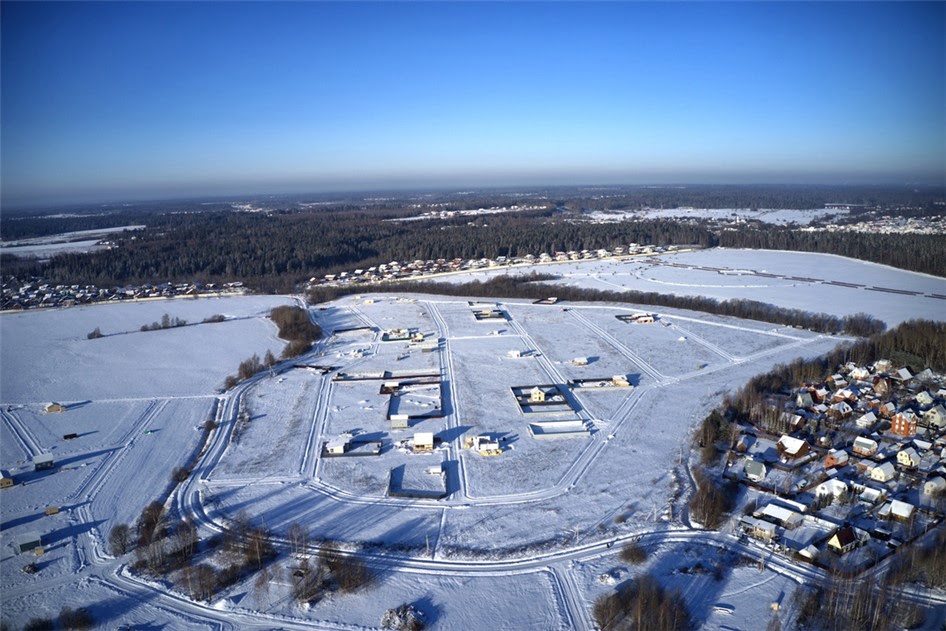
(286,241)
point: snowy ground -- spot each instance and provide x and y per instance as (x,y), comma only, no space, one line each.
(798,280)
(525,536)
(777,216)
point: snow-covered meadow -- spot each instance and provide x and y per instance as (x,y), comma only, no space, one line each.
(530,537)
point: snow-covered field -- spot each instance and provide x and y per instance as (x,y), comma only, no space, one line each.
(797,280)
(75,242)
(523,539)
(778,216)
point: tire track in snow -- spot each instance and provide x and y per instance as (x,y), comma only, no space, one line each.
(652,372)
(22,436)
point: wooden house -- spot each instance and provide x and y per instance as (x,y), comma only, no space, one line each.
(836,458)
(790,448)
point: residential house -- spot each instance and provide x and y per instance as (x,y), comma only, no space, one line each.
(903,375)
(537,395)
(758,528)
(870,496)
(888,409)
(780,515)
(843,540)
(833,487)
(897,510)
(840,410)
(934,486)
(924,398)
(790,448)
(337,446)
(883,365)
(836,458)
(755,471)
(867,421)
(882,385)
(935,417)
(804,400)
(859,373)
(883,472)
(865,446)
(904,423)
(908,458)
(620,381)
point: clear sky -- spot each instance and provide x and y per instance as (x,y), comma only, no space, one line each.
(107,101)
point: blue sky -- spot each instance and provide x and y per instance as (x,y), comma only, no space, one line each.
(109,101)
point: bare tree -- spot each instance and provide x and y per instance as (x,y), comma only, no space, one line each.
(119,538)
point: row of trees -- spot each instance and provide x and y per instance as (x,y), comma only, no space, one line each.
(296,327)
(642,604)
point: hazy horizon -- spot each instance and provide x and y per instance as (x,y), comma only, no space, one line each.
(145,101)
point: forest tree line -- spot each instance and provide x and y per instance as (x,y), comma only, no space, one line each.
(275,250)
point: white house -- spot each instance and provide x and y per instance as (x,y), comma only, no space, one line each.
(908,457)
(935,417)
(883,473)
(867,421)
(895,509)
(934,486)
(833,487)
(865,446)
(423,441)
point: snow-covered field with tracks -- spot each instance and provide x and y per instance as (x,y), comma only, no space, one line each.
(526,539)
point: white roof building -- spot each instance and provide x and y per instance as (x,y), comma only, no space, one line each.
(883,473)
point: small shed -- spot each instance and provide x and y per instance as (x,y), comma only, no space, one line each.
(337,446)
(43,461)
(620,381)
(51,408)
(6,479)
(580,361)
(400,421)
(514,354)
(28,541)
